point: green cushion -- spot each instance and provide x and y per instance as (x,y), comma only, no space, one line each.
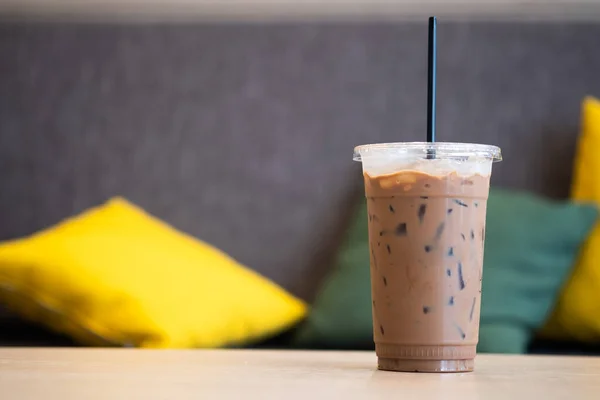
(341,314)
(531,243)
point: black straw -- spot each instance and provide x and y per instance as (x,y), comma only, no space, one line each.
(431,77)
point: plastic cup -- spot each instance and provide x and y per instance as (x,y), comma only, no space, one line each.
(427,207)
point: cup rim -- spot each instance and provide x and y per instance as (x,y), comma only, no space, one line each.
(440,149)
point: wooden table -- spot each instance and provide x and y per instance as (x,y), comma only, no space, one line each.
(63,374)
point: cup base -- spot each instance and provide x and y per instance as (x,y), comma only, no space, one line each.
(425,358)
(411,365)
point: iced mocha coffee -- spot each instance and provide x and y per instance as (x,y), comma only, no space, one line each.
(426,207)
(426,236)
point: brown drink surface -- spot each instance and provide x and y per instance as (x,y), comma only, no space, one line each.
(426,238)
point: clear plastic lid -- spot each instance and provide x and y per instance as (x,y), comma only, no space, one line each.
(425,150)
(433,158)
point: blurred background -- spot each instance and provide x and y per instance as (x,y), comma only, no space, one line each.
(234,121)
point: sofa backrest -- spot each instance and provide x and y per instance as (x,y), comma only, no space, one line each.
(242,134)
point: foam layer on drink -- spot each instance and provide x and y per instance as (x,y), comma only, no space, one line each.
(463,166)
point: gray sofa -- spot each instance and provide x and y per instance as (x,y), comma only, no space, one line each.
(242,134)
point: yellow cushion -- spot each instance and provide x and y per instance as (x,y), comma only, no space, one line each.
(115,275)
(576,314)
